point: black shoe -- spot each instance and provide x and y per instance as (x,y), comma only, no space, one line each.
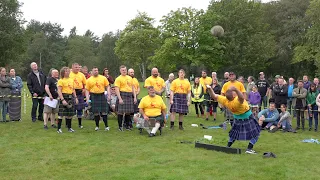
(34,119)
(140,130)
(315,130)
(214,119)
(207,119)
(120,129)
(181,128)
(45,127)
(201,125)
(310,129)
(171,127)
(151,135)
(53,126)
(297,128)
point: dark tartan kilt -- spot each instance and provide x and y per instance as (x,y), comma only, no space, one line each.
(127,106)
(82,104)
(180,104)
(64,110)
(99,103)
(245,129)
(136,109)
(207,99)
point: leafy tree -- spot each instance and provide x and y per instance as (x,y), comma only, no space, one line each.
(138,42)
(11,32)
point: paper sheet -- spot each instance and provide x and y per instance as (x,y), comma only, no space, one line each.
(50,103)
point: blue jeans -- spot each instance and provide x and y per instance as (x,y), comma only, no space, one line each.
(3,109)
(285,124)
(314,112)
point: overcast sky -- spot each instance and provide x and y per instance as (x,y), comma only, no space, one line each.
(101,16)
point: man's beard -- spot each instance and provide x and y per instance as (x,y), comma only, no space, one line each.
(152,94)
(132,76)
(155,75)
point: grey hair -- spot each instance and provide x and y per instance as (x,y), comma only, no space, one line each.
(32,64)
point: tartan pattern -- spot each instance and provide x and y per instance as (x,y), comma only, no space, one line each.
(99,103)
(180,104)
(82,104)
(127,106)
(245,129)
(151,123)
(14,106)
(63,110)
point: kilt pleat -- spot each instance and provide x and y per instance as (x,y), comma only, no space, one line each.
(180,104)
(64,110)
(128,105)
(82,104)
(15,106)
(245,129)
(99,103)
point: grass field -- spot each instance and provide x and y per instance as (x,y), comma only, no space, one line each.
(27,151)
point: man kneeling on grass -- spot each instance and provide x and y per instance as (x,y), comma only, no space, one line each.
(269,116)
(152,106)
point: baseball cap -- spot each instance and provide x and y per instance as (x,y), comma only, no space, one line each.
(277,76)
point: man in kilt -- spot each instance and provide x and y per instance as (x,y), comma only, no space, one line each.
(68,98)
(79,85)
(156,81)
(179,98)
(126,98)
(238,85)
(96,86)
(153,107)
(245,127)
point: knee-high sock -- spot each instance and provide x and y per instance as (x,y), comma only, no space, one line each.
(155,129)
(59,123)
(105,120)
(97,119)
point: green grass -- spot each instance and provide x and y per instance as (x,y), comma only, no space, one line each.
(29,152)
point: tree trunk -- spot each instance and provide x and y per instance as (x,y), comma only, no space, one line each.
(142,68)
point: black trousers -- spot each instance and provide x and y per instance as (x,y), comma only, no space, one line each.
(198,104)
(35,103)
(300,116)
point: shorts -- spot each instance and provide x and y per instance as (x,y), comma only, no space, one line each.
(48,109)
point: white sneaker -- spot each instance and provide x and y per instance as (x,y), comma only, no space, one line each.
(107,129)
(250,151)
(96,129)
(59,131)
(81,127)
(71,130)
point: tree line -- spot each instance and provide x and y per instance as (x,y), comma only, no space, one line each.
(279,37)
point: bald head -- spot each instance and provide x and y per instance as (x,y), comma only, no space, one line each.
(154,72)
(131,72)
(55,73)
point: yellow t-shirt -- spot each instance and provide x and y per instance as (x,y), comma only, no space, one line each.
(67,85)
(97,84)
(234,106)
(79,79)
(180,86)
(238,85)
(152,106)
(204,82)
(135,83)
(158,83)
(124,83)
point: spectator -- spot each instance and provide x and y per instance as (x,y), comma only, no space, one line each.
(197,96)
(291,86)
(312,106)
(250,84)
(226,78)
(299,103)
(214,103)
(254,100)
(306,82)
(106,74)
(15,103)
(36,81)
(241,79)
(168,84)
(214,75)
(113,99)
(268,116)
(280,93)
(5,92)
(271,92)
(285,120)
(84,70)
(316,82)
(204,81)
(263,86)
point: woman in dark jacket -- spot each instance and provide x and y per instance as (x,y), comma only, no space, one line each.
(5,92)
(212,103)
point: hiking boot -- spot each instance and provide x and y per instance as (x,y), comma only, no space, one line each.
(181,128)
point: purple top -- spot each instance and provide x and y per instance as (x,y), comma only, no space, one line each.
(254,98)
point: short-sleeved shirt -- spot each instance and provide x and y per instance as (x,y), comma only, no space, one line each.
(180,86)
(97,84)
(67,85)
(238,85)
(158,83)
(79,79)
(263,86)
(204,82)
(135,83)
(234,106)
(152,106)
(124,83)
(53,88)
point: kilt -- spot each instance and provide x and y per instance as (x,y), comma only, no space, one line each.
(245,129)
(82,104)
(127,106)
(64,110)
(180,104)
(15,106)
(99,103)
(143,124)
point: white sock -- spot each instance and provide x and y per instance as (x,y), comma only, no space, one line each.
(154,130)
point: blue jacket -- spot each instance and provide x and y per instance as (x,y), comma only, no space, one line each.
(16,84)
(271,116)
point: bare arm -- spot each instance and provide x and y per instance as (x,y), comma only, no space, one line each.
(211,93)
(118,93)
(48,91)
(134,95)
(171,96)
(87,95)
(145,117)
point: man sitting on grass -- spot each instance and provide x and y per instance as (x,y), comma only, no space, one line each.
(268,116)
(153,107)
